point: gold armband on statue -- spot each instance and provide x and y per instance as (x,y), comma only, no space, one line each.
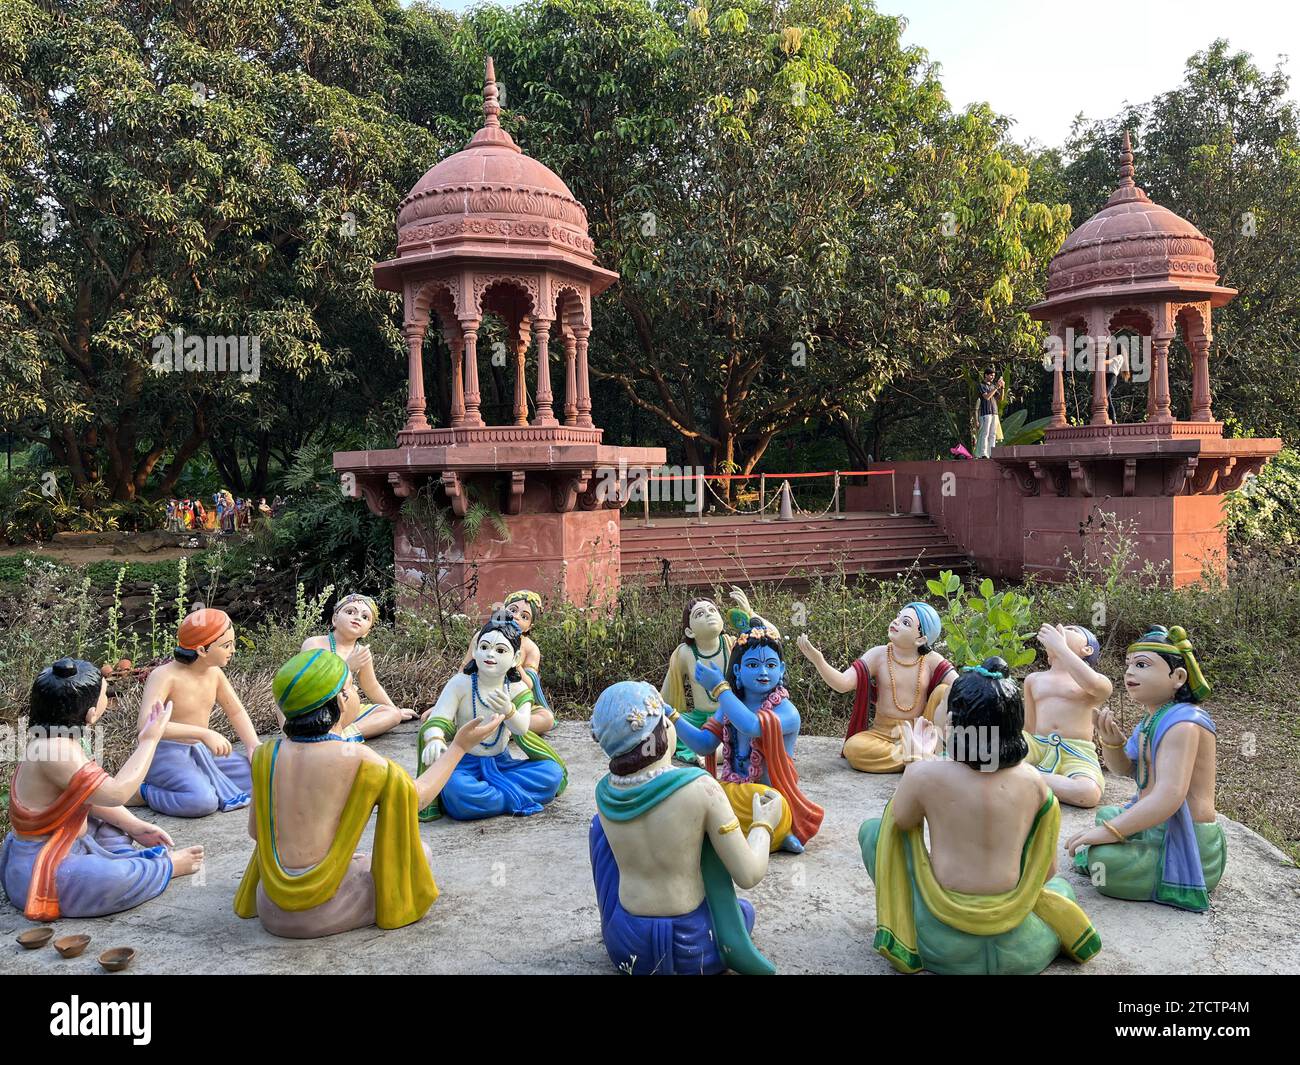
(674,715)
(718,689)
(1119,836)
(730,826)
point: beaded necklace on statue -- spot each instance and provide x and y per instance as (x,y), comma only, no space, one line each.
(707,658)
(893,686)
(476,701)
(1146,734)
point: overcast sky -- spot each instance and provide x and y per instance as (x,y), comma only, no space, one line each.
(1043,61)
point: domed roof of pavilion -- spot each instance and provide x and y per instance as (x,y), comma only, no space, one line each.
(492,194)
(1133,247)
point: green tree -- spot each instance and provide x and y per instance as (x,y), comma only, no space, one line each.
(223,169)
(800,221)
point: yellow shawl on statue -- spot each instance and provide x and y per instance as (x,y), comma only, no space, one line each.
(979,915)
(404,887)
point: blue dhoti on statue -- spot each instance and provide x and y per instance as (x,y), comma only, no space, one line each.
(103,873)
(188,780)
(490,786)
(650,946)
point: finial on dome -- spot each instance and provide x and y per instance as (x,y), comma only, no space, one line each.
(1125,164)
(491,133)
(491,107)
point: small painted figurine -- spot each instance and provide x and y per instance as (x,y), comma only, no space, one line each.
(194,772)
(666,847)
(490,782)
(917,679)
(1165,844)
(354,617)
(312,800)
(1060,702)
(756,726)
(984,897)
(70,852)
(705,642)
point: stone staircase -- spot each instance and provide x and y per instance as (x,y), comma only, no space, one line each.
(678,552)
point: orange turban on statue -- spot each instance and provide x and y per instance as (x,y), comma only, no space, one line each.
(201,628)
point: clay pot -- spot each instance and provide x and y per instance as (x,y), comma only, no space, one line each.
(35,938)
(117,959)
(71,946)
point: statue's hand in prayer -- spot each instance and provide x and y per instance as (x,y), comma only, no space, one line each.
(1108,730)
(767,810)
(708,676)
(359,658)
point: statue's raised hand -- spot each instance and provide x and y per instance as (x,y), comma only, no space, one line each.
(708,676)
(807,648)
(1108,729)
(156,721)
(474,732)
(767,810)
(359,658)
(497,701)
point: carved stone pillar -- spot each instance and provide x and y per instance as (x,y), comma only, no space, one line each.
(414,334)
(581,335)
(1058,380)
(545,415)
(570,378)
(1098,339)
(1158,392)
(1201,411)
(521,338)
(469,331)
(456,342)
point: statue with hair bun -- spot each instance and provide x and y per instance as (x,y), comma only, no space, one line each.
(72,848)
(489,781)
(983,897)
(1165,844)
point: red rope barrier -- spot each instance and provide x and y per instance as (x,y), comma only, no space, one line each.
(754,476)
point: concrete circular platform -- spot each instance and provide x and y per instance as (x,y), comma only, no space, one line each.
(517,897)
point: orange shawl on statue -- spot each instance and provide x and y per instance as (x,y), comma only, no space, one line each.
(62,822)
(806,815)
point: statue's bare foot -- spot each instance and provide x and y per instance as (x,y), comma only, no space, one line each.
(186,860)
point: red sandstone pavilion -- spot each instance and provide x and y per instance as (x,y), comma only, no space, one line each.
(1134,266)
(490,230)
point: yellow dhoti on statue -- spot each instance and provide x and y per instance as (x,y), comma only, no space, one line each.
(877,747)
(741,797)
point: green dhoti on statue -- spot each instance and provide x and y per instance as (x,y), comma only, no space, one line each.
(921,925)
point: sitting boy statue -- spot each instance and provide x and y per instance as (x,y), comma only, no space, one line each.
(194,773)
(908,665)
(353,618)
(756,726)
(312,800)
(666,847)
(69,852)
(490,781)
(984,897)
(1060,703)
(525,607)
(1165,844)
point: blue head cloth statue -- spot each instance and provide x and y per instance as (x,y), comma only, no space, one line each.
(626,714)
(931,626)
